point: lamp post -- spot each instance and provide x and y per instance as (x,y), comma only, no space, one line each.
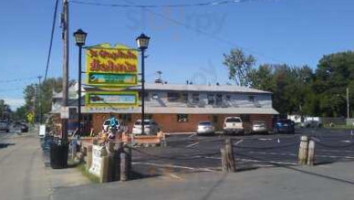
(80,38)
(143,43)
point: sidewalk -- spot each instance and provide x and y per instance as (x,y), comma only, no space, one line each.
(335,181)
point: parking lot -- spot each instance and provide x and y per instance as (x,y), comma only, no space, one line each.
(192,153)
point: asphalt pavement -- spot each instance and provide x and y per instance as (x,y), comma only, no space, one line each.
(192,153)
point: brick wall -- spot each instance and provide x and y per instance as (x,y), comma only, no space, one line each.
(169,123)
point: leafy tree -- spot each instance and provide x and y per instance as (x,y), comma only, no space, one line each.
(335,73)
(239,65)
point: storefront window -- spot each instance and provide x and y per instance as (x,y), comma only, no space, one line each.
(182,118)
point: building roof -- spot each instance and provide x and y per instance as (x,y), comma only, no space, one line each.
(190,88)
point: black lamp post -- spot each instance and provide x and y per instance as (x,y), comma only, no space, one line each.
(80,38)
(143,43)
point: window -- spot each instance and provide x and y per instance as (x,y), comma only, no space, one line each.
(245,118)
(125,117)
(251,98)
(211,99)
(215,119)
(182,118)
(155,96)
(195,98)
(146,96)
(172,96)
(228,98)
(185,97)
(218,99)
(148,116)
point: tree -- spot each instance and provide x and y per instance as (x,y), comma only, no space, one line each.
(34,98)
(335,72)
(239,65)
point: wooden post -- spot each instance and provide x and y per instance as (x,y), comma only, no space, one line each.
(123,167)
(311,153)
(227,157)
(223,160)
(111,168)
(128,152)
(302,156)
(89,156)
(104,169)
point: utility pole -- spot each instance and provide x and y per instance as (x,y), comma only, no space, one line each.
(40,100)
(65,37)
(348,105)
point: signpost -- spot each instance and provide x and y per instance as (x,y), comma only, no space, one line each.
(111,68)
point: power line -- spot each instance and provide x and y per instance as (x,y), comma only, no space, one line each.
(204,4)
(51,38)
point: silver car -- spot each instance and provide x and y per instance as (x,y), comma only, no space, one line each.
(205,128)
(259,127)
(150,127)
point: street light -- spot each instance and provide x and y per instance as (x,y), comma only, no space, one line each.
(143,43)
(80,38)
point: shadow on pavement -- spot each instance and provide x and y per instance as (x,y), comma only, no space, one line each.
(303,171)
(5,145)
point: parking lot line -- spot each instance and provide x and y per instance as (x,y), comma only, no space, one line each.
(191,145)
(173,166)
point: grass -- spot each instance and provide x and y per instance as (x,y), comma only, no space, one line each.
(82,168)
(347,127)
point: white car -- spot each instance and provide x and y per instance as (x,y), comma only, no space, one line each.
(233,125)
(150,127)
(205,128)
(107,123)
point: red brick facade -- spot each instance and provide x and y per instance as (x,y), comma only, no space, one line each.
(169,123)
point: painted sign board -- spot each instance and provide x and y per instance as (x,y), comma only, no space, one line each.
(111,66)
(112,98)
(106,79)
(97,156)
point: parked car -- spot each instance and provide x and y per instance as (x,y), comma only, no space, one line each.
(150,127)
(205,128)
(21,126)
(24,128)
(233,125)
(107,123)
(4,126)
(284,126)
(259,127)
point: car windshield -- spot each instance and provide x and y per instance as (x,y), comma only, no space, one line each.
(233,120)
(107,122)
(285,121)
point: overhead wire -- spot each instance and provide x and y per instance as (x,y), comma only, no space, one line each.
(51,39)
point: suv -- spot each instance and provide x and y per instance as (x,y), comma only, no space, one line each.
(233,125)
(150,127)
(284,126)
(4,126)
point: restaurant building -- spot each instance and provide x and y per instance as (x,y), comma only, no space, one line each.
(180,107)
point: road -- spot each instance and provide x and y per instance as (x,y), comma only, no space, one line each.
(22,174)
(192,153)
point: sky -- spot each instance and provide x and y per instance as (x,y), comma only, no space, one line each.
(187,43)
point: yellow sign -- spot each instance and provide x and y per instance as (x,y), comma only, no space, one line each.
(30,117)
(111,66)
